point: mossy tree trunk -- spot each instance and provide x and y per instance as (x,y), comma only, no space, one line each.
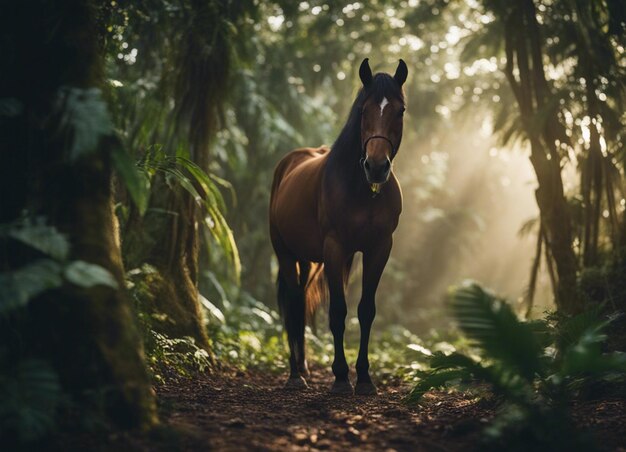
(169,239)
(89,335)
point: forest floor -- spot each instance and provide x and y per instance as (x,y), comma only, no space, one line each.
(235,410)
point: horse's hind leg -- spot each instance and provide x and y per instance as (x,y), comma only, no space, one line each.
(291,302)
(305,271)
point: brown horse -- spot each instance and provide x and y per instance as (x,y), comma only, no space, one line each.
(326,205)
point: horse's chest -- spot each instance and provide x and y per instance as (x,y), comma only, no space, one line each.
(364,227)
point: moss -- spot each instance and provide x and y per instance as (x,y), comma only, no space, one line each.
(166,239)
(157,303)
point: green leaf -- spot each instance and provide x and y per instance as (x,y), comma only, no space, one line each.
(434,380)
(84,274)
(85,116)
(135,180)
(492,326)
(442,361)
(20,286)
(213,310)
(211,199)
(213,194)
(42,237)
(584,356)
(572,330)
(589,361)
(30,394)
(223,235)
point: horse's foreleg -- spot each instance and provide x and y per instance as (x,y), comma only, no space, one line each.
(335,259)
(374,261)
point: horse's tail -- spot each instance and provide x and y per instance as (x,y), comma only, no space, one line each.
(315,291)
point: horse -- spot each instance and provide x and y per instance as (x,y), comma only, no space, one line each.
(327,204)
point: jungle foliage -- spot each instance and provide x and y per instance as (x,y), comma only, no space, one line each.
(538,368)
(140,139)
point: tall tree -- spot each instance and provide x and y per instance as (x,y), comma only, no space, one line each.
(524,70)
(193,67)
(54,136)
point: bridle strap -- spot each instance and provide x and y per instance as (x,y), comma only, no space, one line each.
(364,149)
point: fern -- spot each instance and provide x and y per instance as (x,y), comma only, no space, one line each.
(492,325)
(203,188)
(515,361)
(435,380)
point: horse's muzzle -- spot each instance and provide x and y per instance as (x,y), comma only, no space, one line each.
(377,173)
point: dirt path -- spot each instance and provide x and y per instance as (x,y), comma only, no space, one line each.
(236,411)
(253,412)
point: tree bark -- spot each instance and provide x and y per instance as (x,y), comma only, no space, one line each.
(88,334)
(171,239)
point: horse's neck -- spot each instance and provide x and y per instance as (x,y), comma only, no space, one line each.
(344,168)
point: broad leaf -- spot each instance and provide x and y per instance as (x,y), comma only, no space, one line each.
(87,275)
(135,180)
(44,238)
(20,286)
(85,116)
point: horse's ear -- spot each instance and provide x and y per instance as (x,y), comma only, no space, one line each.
(401,73)
(365,72)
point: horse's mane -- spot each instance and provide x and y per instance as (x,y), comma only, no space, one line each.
(349,140)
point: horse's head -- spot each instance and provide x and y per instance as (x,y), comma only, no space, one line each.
(381,121)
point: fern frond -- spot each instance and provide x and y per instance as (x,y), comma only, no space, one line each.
(436,379)
(494,328)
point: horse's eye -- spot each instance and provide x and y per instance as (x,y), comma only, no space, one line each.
(401,112)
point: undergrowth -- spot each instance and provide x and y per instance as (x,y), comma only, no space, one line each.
(248,335)
(535,368)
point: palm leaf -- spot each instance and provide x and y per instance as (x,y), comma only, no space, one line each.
(436,379)
(494,328)
(580,341)
(572,330)
(211,199)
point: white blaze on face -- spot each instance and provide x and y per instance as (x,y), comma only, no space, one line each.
(383,104)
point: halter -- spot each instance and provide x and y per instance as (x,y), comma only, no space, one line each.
(364,149)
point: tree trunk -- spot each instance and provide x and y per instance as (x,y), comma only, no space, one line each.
(167,239)
(523,48)
(170,240)
(88,334)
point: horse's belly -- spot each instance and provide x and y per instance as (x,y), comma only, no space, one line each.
(306,247)
(295,211)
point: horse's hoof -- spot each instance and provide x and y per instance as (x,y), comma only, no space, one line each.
(365,388)
(341,388)
(304,369)
(296,383)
